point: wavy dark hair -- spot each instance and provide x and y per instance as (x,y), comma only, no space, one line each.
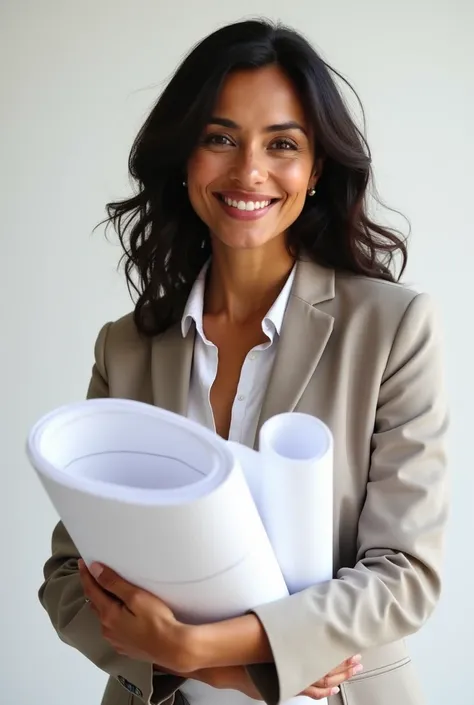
(165,243)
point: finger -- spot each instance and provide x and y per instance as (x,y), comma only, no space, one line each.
(86,580)
(331,681)
(99,599)
(110,581)
(320,693)
(345,665)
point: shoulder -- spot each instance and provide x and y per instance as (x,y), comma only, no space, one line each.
(120,341)
(123,359)
(356,299)
(368,314)
(377,293)
(378,300)
(123,330)
(386,320)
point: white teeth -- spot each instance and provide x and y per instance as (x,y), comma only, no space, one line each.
(246,205)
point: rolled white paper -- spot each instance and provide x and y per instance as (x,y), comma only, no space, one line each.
(160,500)
(296,497)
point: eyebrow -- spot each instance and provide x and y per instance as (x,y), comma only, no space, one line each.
(279,127)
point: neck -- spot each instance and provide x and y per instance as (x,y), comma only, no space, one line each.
(243,284)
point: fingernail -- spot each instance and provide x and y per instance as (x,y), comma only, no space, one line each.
(357,669)
(334,691)
(356,658)
(96,570)
(80,564)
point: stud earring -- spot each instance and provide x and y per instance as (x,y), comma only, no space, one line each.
(311,191)
(185,183)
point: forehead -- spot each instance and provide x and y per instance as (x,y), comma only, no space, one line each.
(264,96)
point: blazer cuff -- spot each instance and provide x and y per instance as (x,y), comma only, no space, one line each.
(138,677)
(265,679)
(295,642)
(164,686)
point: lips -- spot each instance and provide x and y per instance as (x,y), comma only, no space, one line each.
(245,206)
(245,202)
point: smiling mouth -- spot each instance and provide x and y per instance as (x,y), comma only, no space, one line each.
(247,205)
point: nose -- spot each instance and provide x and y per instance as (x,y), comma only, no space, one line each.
(249,168)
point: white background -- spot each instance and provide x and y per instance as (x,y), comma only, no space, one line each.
(77,79)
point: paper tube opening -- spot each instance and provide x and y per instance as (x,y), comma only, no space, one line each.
(109,446)
(296,436)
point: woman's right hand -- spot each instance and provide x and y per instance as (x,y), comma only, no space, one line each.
(329,684)
(237,678)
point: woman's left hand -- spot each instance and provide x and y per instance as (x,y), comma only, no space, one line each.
(135,622)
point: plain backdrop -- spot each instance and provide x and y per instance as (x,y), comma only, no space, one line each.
(77,80)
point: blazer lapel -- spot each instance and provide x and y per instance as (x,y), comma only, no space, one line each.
(304,335)
(305,332)
(172,357)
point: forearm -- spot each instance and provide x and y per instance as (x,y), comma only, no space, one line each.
(233,642)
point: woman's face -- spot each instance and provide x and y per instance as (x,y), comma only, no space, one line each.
(249,176)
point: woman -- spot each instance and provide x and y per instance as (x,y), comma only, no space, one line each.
(264,287)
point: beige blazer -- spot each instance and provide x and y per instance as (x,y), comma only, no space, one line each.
(364,356)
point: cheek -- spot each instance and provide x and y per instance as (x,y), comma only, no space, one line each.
(294,178)
(203,169)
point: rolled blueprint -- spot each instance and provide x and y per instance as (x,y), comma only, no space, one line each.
(160,500)
(295,497)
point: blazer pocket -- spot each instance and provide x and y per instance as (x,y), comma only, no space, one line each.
(395,684)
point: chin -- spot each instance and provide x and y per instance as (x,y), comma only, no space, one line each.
(242,238)
(243,241)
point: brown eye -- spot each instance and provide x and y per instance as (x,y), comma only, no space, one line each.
(217,140)
(284,144)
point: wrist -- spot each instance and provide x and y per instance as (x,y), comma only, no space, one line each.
(234,642)
(186,647)
(202,645)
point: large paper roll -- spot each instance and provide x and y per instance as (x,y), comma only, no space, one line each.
(160,500)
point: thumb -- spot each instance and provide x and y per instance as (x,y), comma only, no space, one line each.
(112,582)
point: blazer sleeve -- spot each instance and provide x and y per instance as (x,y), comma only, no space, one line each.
(395,584)
(63,599)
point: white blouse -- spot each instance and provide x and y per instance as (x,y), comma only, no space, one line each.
(253,382)
(255,373)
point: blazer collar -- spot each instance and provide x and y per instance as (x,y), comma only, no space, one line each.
(305,332)
(313,282)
